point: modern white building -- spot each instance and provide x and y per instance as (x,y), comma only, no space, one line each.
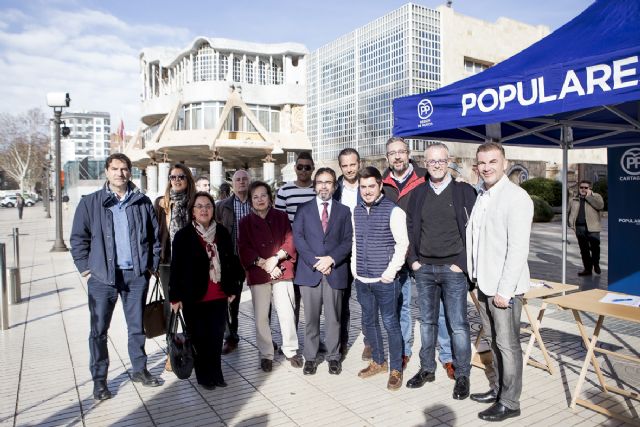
(89,137)
(353,80)
(219,105)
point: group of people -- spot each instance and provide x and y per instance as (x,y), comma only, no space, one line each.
(378,233)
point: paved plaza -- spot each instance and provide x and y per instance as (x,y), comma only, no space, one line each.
(45,378)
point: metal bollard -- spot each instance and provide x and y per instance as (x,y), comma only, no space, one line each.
(4,297)
(15,296)
(15,279)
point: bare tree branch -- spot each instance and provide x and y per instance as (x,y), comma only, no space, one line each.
(24,142)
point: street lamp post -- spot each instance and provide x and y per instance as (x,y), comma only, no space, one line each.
(58,101)
(47,190)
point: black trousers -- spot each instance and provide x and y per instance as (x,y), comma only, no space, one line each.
(206,323)
(132,289)
(231,334)
(589,247)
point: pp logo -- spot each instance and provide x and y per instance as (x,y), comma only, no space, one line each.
(630,161)
(425,109)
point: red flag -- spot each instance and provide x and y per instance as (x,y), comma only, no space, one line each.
(120,131)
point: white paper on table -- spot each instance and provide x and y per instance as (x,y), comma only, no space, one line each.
(629,300)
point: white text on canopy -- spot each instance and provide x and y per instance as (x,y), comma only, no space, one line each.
(603,76)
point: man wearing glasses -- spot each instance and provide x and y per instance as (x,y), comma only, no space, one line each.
(436,219)
(293,194)
(400,179)
(584,218)
(322,234)
(229,212)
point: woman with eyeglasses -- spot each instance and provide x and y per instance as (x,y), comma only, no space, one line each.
(203,281)
(172,213)
(267,253)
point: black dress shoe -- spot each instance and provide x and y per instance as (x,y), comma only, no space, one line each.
(420,379)
(266,365)
(220,383)
(461,389)
(100,390)
(145,378)
(498,412)
(208,386)
(596,268)
(335,367)
(296,361)
(488,397)
(310,367)
(584,273)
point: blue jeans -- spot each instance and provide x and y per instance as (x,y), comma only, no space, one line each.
(383,298)
(444,338)
(404,310)
(435,282)
(102,301)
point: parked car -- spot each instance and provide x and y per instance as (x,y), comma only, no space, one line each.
(10,201)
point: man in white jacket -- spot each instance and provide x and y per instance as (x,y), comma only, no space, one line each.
(497,249)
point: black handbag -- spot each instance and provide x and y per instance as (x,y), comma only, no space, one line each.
(181,352)
(153,318)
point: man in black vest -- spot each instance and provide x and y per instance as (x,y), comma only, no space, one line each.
(379,247)
(436,219)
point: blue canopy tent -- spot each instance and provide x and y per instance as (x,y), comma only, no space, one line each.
(579,87)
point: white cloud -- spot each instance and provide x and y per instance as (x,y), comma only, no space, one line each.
(89,53)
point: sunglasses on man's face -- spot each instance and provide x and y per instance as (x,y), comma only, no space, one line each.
(177,177)
(304,167)
(584,188)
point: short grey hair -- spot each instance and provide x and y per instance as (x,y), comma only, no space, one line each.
(437,145)
(397,139)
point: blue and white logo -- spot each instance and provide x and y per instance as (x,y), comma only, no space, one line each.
(425,109)
(630,161)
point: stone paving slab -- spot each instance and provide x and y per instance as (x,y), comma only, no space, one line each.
(45,378)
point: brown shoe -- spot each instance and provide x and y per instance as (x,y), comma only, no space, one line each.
(395,380)
(229,347)
(451,372)
(366,353)
(167,365)
(405,362)
(372,369)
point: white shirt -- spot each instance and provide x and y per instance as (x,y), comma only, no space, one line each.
(444,184)
(349,197)
(320,202)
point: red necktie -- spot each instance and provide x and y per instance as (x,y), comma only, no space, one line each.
(325,216)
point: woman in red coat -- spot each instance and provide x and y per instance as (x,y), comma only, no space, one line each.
(267,253)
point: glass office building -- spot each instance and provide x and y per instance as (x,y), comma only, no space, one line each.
(352,81)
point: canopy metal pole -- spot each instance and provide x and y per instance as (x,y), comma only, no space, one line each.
(565,185)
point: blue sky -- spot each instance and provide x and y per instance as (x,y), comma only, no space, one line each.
(90,48)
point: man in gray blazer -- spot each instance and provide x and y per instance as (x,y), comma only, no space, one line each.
(497,250)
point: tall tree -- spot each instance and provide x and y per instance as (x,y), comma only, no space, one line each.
(24,142)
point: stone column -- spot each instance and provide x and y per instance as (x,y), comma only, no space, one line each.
(269,172)
(216,174)
(152,179)
(163,176)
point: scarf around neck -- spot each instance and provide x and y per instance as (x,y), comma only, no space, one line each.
(209,237)
(178,212)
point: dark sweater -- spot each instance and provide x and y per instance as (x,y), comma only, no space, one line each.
(440,241)
(464,197)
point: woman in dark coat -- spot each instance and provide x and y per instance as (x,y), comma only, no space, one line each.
(267,253)
(203,271)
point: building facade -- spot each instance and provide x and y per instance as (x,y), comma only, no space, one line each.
(353,80)
(89,137)
(220,105)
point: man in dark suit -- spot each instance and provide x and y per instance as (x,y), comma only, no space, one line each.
(322,234)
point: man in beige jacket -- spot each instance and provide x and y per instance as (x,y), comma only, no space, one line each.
(497,249)
(584,218)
